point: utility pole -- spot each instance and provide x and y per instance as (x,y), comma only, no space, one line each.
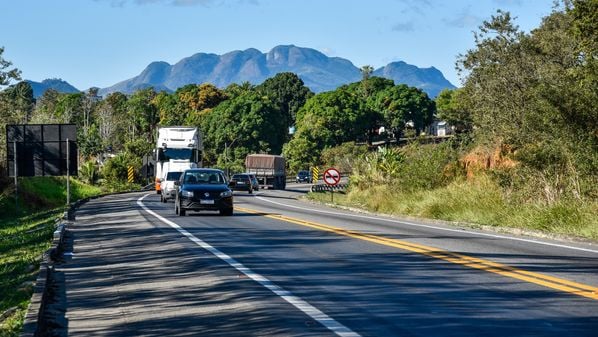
(226,149)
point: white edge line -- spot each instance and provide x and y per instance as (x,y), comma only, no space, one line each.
(432,227)
(286,295)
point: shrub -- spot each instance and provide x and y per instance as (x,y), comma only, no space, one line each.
(343,157)
(115,169)
(411,168)
(89,172)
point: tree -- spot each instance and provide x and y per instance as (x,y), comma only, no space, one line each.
(366,72)
(69,108)
(6,74)
(143,114)
(114,117)
(401,105)
(326,120)
(250,121)
(45,108)
(204,97)
(19,102)
(288,92)
(90,142)
(168,109)
(450,108)
(536,94)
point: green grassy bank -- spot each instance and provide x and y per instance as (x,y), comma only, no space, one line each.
(24,236)
(480,202)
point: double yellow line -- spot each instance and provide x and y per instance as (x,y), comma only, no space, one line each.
(468,261)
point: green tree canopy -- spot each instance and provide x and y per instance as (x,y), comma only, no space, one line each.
(6,74)
(288,92)
(449,108)
(249,122)
(536,92)
(401,104)
(143,114)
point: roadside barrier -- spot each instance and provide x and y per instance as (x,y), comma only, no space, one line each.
(326,188)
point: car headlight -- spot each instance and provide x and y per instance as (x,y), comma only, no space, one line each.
(188,194)
(226,194)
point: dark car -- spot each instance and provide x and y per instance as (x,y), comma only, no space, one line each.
(203,189)
(244,182)
(303,177)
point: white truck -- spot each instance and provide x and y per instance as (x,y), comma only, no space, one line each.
(177,148)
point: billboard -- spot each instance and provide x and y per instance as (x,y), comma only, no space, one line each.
(41,149)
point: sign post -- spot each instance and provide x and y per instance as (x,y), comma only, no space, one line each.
(332,177)
(16,180)
(68,176)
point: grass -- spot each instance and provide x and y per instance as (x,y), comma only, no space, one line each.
(25,236)
(479,202)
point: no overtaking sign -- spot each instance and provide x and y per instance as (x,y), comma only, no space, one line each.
(332,177)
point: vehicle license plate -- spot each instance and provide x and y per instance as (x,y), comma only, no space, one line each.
(207,202)
(241,183)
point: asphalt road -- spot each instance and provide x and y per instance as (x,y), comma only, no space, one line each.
(284,267)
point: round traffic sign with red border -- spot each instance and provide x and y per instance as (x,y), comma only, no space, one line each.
(332,176)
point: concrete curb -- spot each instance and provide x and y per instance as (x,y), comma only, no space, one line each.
(35,323)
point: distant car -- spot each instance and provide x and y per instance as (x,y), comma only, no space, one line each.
(167,186)
(244,182)
(203,189)
(303,177)
(254,182)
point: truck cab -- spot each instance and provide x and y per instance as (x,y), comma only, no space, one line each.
(177,148)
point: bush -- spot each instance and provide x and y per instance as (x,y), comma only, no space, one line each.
(377,168)
(89,172)
(343,157)
(427,166)
(115,170)
(411,168)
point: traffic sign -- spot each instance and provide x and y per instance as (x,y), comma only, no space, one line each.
(315,173)
(131,174)
(332,176)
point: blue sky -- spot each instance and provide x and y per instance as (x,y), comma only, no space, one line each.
(101,42)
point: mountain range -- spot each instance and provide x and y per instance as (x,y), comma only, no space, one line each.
(54,83)
(318,71)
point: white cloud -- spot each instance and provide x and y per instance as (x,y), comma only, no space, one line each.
(464,19)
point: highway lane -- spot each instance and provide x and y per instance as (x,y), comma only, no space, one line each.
(376,289)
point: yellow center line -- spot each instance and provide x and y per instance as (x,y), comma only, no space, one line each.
(468,261)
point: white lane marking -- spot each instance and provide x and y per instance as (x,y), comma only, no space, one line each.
(286,295)
(432,227)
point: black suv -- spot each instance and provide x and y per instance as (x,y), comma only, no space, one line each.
(203,189)
(303,177)
(244,182)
